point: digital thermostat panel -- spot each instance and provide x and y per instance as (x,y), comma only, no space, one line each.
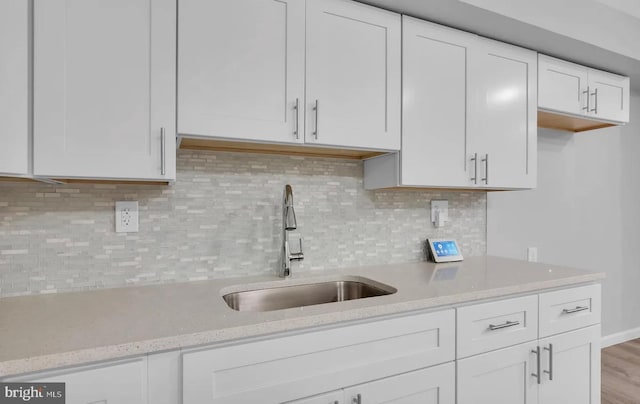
(444,250)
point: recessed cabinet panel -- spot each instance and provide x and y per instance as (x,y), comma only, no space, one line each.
(506,116)
(120,382)
(563,85)
(353,75)
(14,87)
(435,385)
(502,376)
(104,88)
(609,96)
(434,104)
(571,367)
(328,398)
(241,69)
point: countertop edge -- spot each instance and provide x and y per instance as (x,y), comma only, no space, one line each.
(123,351)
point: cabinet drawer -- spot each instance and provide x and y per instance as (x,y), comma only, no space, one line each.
(488,326)
(112,382)
(284,368)
(569,309)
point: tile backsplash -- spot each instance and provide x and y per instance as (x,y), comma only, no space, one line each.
(221,218)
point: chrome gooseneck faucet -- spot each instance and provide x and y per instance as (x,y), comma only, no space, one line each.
(289,223)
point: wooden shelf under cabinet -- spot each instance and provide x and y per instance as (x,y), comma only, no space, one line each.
(271,148)
(569,123)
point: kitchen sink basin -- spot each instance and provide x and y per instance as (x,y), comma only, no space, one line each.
(286,297)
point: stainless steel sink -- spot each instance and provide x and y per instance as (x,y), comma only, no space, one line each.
(286,297)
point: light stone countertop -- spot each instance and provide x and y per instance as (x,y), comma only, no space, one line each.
(48,331)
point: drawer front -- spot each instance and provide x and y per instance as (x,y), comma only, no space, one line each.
(111,382)
(489,326)
(284,368)
(569,309)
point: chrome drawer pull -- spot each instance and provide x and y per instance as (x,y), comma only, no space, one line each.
(475,170)
(577,309)
(550,371)
(493,327)
(537,375)
(588,95)
(163,164)
(296,108)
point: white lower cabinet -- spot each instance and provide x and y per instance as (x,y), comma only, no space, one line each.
(123,382)
(563,368)
(333,397)
(291,367)
(403,359)
(503,376)
(434,385)
(571,367)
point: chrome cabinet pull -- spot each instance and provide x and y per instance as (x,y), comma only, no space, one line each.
(475,169)
(508,324)
(575,310)
(550,371)
(163,168)
(296,108)
(316,132)
(588,95)
(537,374)
(357,399)
(595,109)
(485,160)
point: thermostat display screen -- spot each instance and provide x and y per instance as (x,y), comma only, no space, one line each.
(445,248)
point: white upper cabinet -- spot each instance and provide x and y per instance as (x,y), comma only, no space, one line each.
(569,92)
(609,96)
(469,114)
(504,116)
(563,86)
(241,69)
(434,99)
(353,75)
(104,89)
(14,87)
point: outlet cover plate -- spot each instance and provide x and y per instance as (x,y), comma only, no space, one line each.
(127,217)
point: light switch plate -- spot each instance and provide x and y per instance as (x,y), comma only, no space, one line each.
(127,217)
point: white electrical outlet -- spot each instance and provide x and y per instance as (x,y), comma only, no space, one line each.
(127,217)
(439,212)
(532,254)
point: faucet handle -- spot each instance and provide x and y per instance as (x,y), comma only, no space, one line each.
(297,256)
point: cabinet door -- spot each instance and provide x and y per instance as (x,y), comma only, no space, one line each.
(104,88)
(571,364)
(562,86)
(503,376)
(14,87)
(505,115)
(609,96)
(435,385)
(241,69)
(353,75)
(434,99)
(334,397)
(124,382)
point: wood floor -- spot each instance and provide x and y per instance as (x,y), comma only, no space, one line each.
(621,373)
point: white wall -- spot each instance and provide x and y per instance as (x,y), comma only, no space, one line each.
(585,213)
